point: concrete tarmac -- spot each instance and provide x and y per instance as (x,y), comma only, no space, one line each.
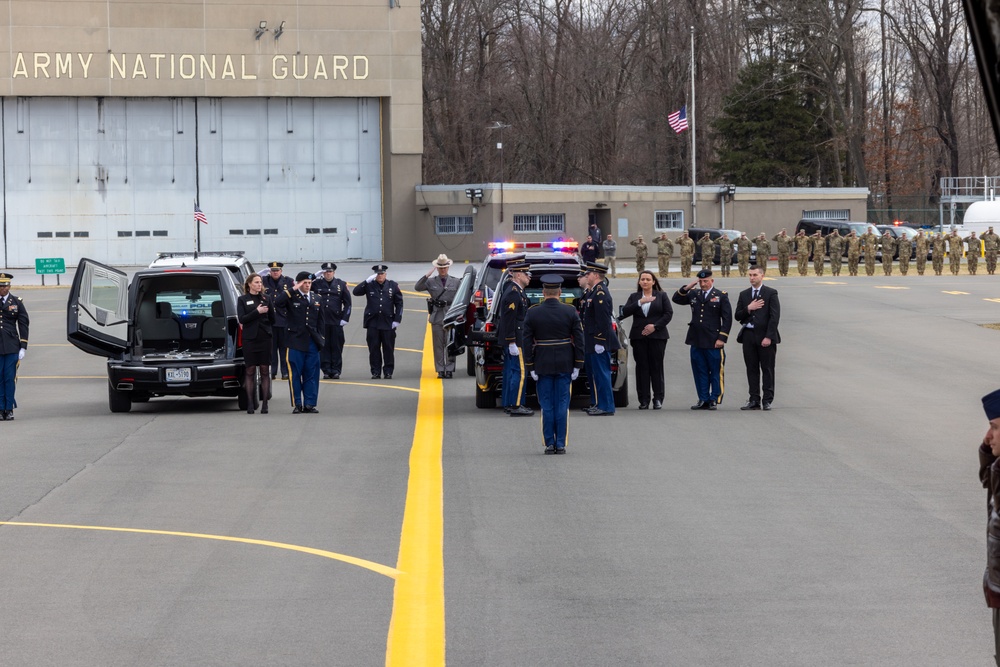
(844,527)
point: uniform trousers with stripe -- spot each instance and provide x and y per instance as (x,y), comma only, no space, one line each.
(512,392)
(598,367)
(8,376)
(553,397)
(708,367)
(304,375)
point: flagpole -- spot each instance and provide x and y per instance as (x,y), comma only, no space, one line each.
(694,173)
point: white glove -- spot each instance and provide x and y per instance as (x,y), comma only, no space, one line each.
(512,349)
(394,325)
(343,323)
(370,278)
(534,376)
(575,374)
(20,354)
(599,349)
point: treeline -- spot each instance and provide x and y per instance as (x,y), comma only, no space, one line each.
(878,93)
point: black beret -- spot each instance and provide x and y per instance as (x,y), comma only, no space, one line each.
(704,273)
(991,404)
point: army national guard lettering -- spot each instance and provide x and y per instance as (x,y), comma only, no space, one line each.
(383,313)
(553,351)
(335,299)
(13,344)
(708,331)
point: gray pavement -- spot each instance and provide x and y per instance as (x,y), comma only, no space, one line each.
(845,527)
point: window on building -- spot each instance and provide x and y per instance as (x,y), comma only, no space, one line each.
(828,214)
(667,221)
(541,223)
(452,224)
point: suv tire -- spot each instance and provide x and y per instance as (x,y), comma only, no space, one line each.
(621,396)
(470,362)
(118,401)
(486,400)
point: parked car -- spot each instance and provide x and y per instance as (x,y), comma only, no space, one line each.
(488,353)
(169,331)
(468,311)
(696,233)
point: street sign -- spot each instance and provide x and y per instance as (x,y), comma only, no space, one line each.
(44,265)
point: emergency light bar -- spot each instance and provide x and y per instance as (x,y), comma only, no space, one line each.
(509,246)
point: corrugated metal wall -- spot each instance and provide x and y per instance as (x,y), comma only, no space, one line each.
(115,179)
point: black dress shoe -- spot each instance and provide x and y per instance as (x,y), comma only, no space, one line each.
(297,410)
(710,405)
(334,376)
(250,410)
(597,412)
(284,377)
(700,405)
(560,450)
(449,374)
(388,376)
(657,404)
(751,405)
(521,411)
(440,375)
(767,405)
(310,409)
(327,376)
(644,406)
(550,450)
(589,408)
(10,416)
(376,376)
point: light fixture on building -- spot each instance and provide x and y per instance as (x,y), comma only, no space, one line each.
(280,29)
(476,195)
(261,29)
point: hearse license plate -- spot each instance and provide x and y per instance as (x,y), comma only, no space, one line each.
(178,375)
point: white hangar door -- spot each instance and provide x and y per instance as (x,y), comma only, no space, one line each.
(107,178)
(115,179)
(281,177)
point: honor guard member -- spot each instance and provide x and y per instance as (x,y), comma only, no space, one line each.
(600,339)
(13,344)
(304,337)
(708,330)
(441,288)
(335,299)
(383,313)
(553,351)
(275,284)
(513,308)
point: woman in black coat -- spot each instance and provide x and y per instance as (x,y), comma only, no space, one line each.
(650,310)
(257,317)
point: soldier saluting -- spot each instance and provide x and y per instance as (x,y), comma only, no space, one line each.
(13,344)
(708,331)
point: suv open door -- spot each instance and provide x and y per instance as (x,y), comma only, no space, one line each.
(97,312)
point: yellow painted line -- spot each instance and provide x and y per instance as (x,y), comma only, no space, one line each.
(398,349)
(372,384)
(415,310)
(828,282)
(416,631)
(993,300)
(889,287)
(390,572)
(948,292)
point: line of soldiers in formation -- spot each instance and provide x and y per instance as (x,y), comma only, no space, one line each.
(856,249)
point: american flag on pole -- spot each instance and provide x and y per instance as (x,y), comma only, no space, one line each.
(678,120)
(198,215)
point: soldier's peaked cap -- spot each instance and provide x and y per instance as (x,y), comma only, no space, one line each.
(518,263)
(5,278)
(329,266)
(594,267)
(380,268)
(552,280)
(275,265)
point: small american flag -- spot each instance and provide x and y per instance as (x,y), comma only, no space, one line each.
(678,120)
(198,215)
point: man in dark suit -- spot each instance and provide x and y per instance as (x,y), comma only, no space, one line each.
(304,337)
(383,313)
(708,331)
(758,311)
(553,354)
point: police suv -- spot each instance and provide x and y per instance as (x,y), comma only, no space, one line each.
(473,318)
(172,330)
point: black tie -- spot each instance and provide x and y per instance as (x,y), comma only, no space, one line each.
(754,296)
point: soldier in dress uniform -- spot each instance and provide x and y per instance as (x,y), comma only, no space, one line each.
(600,340)
(13,344)
(274,284)
(513,308)
(708,331)
(304,336)
(441,288)
(383,313)
(335,298)
(553,354)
